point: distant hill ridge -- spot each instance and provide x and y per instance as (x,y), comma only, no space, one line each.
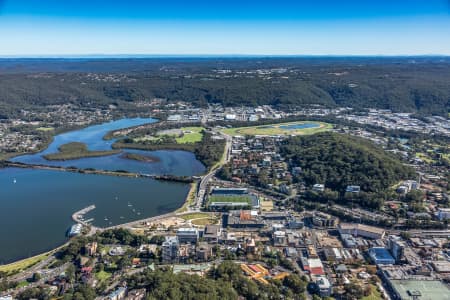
(403,84)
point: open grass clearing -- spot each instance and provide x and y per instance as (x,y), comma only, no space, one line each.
(190,135)
(103,275)
(290,128)
(184,135)
(45,129)
(204,222)
(192,216)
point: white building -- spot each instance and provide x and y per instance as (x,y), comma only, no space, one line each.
(361,230)
(318,187)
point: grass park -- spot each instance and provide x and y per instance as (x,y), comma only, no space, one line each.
(194,215)
(290,128)
(190,135)
(183,135)
(200,219)
(23,264)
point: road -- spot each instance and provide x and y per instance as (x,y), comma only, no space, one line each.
(206,178)
(46,274)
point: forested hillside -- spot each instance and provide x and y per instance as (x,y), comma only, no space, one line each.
(401,84)
(339,160)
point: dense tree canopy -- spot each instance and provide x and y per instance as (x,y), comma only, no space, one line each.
(226,281)
(395,84)
(339,160)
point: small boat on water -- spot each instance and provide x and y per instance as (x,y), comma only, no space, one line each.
(106,219)
(14,180)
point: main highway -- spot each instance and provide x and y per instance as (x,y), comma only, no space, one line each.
(202,188)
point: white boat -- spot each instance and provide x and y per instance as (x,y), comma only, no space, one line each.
(14,180)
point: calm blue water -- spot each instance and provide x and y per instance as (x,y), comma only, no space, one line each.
(180,163)
(36,210)
(300,126)
(36,205)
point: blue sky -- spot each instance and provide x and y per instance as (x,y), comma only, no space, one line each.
(319,27)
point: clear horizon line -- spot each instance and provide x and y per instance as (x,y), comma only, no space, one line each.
(127,55)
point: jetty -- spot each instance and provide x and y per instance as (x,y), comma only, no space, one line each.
(78,216)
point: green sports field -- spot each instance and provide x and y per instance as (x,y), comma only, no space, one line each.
(219,198)
(291,128)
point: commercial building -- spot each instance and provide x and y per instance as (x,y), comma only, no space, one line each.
(320,219)
(313,265)
(361,230)
(418,289)
(279,238)
(243,219)
(397,247)
(441,266)
(174,118)
(170,249)
(187,235)
(323,286)
(212,233)
(295,223)
(203,251)
(381,256)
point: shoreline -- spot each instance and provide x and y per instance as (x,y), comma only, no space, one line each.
(63,130)
(181,179)
(95,229)
(30,261)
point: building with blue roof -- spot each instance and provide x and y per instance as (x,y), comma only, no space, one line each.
(381,256)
